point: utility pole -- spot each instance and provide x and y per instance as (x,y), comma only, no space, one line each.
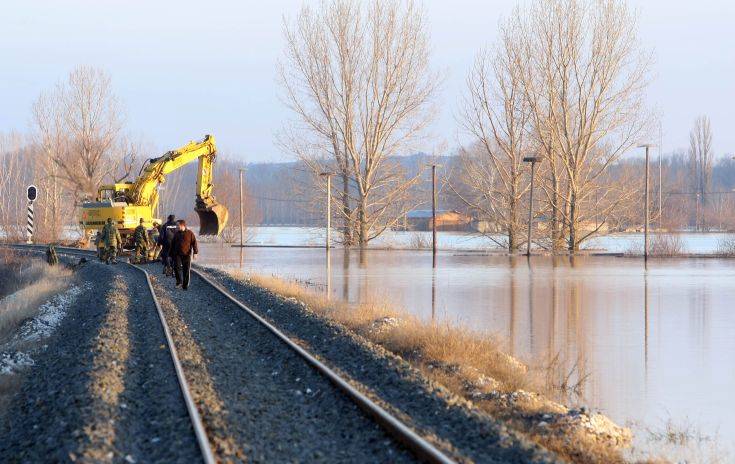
(241,215)
(533,160)
(645,196)
(660,179)
(328,175)
(433,215)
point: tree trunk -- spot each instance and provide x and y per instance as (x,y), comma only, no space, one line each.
(347,238)
(362,219)
(556,236)
(512,229)
(573,222)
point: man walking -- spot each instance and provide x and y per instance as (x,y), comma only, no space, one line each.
(111,239)
(153,239)
(183,247)
(140,238)
(166,237)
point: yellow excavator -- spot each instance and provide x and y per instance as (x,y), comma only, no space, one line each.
(127,202)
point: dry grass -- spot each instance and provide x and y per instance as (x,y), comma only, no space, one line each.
(441,347)
(684,441)
(469,364)
(25,284)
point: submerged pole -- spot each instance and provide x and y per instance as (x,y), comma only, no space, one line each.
(241,209)
(433,215)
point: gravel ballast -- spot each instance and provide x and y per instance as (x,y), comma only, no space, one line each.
(274,406)
(102,387)
(452,423)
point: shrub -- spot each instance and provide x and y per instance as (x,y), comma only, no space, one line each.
(667,245)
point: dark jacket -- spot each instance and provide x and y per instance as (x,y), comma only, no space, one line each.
(168,231)
(184,243)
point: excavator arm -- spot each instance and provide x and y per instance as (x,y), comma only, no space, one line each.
(212,215)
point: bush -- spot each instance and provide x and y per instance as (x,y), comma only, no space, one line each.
(726,246)
(419,241)
(667,245)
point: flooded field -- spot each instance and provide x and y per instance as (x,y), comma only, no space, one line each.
(697,243)
(655,345)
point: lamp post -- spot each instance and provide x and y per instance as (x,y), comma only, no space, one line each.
(647,146)
(328,175)
(533,160)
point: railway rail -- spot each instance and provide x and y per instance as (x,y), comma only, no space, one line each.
(393,427)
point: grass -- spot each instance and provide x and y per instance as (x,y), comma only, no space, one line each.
(683,441)
(471,365)
(25,283)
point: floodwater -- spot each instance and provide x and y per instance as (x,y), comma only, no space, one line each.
(696,243)
(656,344)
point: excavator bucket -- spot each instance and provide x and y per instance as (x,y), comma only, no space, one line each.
(212,219)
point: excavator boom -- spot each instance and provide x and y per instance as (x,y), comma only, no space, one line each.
(126,203)
(212,215)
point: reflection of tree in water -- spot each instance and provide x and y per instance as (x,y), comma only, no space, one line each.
(512,261)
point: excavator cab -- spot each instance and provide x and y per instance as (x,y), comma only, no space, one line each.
(212,217)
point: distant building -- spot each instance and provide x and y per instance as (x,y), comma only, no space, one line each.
(448,220)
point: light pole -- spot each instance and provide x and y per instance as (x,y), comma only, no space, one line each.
(533,160)
(646,208)
(242,170)
(328,175)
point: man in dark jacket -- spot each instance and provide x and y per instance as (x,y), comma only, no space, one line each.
(165,238)
(183,247)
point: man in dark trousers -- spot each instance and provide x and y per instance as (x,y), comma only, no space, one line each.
(165,238)
(183,247)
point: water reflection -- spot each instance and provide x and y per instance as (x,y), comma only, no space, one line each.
(673,359)
(645,320)
(346,275)
(328,260)
(433,292)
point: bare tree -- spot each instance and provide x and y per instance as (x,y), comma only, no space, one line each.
(79,124)
(357,77)
(496,114)
(585,81)
(700,164)
(12,217)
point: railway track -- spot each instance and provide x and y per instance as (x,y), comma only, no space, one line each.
(222,393)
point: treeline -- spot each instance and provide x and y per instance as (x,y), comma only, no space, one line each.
(77,141)
(564,86)
(565,82)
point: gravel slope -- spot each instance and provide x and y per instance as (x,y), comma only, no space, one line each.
(103,389)
(449,421)
(263,398)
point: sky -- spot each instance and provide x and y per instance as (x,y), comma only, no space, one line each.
(187,68)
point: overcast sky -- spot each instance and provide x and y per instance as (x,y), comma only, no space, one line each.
(183,69)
